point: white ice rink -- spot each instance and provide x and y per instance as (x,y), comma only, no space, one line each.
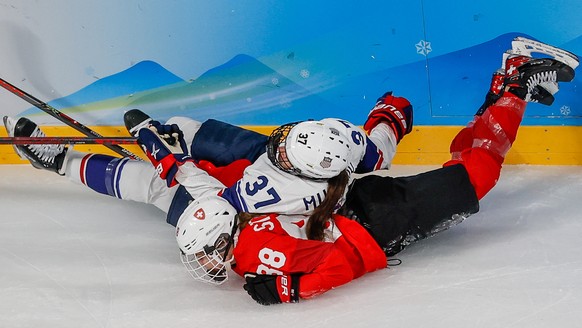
(72,258)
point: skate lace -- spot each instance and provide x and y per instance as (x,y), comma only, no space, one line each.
(45,153)
(541,77)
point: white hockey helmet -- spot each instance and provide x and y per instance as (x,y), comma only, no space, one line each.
(205,235)
(312,149)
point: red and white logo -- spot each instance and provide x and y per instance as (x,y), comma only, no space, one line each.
(199,214)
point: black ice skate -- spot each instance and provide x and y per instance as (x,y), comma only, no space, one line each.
(531,79)
(48,157)
(536,79)
(134,120)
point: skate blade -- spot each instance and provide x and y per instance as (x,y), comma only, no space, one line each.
(9,126)
(524,46)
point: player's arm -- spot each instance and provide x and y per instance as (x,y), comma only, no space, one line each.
(279,268)
(267,289)
(388,122)
(166,149)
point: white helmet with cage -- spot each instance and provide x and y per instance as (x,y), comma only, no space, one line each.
(312,149)
(205,235)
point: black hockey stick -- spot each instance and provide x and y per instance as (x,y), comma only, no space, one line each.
(67,140)
(63,117)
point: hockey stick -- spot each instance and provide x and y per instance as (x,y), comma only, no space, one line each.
(67,140)
(63,117)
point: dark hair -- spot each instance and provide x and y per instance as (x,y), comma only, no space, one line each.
(335,190)
(321,214)
(245,217)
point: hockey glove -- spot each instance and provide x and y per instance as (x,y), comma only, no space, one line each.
(394,111)
(165,147)
(271,289)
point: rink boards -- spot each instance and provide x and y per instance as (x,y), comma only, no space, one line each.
(536,145)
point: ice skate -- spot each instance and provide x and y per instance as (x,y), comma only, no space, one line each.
(532,79)
(134,120)
(48,157)
(536,79)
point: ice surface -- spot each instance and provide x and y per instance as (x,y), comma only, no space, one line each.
(72,258)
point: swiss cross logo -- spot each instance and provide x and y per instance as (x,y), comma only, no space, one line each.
(199,214)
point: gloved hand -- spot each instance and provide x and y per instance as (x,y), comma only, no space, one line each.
(271,289)
(165,147)
(394,111)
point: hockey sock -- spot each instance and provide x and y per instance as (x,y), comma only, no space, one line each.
(98,172)
(481,146)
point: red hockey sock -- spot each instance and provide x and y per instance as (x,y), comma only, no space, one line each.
(482,145)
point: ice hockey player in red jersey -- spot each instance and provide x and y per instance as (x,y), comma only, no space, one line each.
(280,264)
(283,261)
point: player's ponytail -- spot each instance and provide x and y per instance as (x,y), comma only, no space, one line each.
(335,190)
(243,218)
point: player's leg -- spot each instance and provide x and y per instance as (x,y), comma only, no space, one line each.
(482,146)
(118,177)
(121,178)
(217,142)
(399,211)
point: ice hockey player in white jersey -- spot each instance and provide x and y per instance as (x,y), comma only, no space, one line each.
(293,168)
(317,153)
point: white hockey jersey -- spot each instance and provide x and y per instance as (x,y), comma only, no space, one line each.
(266,189)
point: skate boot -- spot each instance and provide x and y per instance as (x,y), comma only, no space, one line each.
(536,80)
(48,157)
(134,120)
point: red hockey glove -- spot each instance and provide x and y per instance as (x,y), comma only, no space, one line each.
(165,147)
(271,289)
(394,111)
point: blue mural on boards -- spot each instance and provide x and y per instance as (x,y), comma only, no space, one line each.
(445,89)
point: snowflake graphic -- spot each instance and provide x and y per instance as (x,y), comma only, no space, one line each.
(304,73)
(565,110)
(423,47)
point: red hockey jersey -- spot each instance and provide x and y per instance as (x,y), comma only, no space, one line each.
(277,244)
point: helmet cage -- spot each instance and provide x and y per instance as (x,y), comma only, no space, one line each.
(210,265)
(205,235)
(276,140)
